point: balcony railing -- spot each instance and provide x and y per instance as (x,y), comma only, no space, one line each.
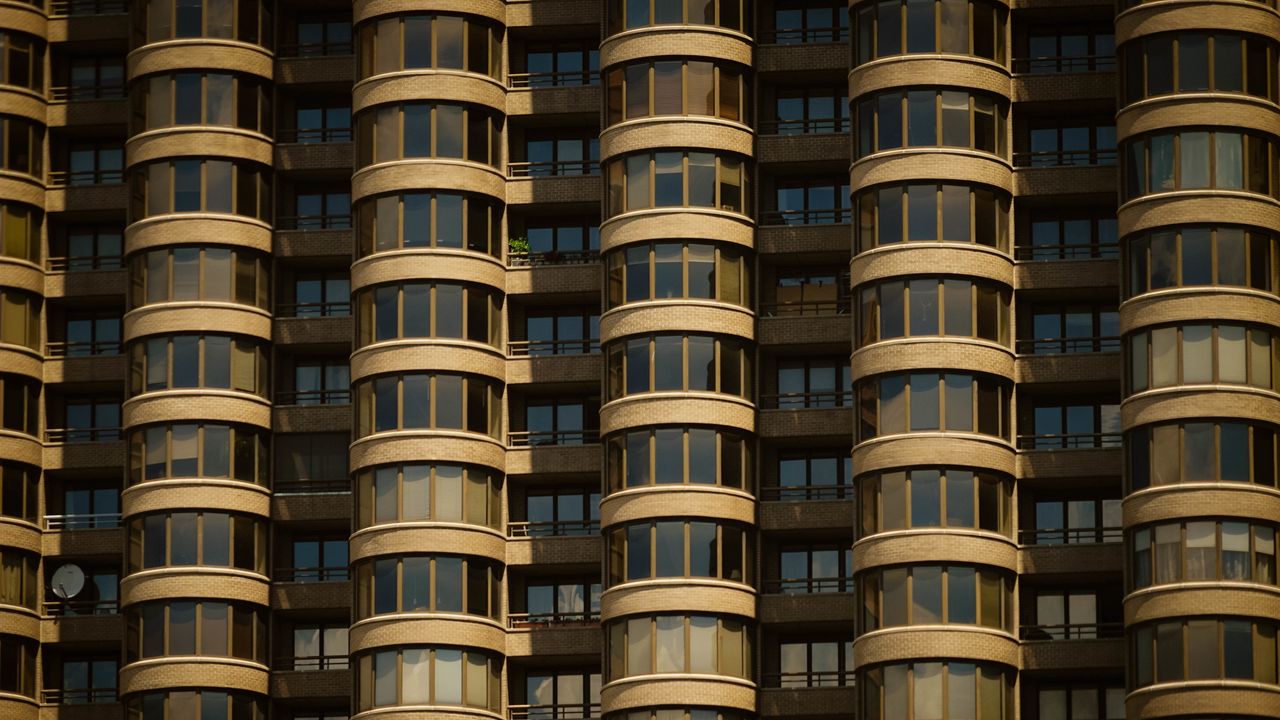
(80,608)
(85,178)
(1054,64)
(1068,345)
(805,126)
(552,619)
(336,308)
(309,136)
(82,435)
(553,528)
(1080,631)
(543,438)
(837,216)
(328,48)
(809,586)
(803,400)
(314,397)
(808,308)
(307,663)
(81,696)
(793,493)
(77,8)
(84,93)
(553,712)
(312,574)
(1065,158)
(1058,441)
(557,168)
(809,679)
(335,486)
(536,258)
(1070,251)
(544,348)
(84,263)
(566,78)
(804,36)
(82,521)
(1071,536)
(86,348)
(314,222)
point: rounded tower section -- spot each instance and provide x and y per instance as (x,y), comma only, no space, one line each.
(678,336)
(932,364)
(428,373)
(197,333)
(1199,132)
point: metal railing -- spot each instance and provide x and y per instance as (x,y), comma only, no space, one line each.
(82,435)
(85,178)
(336,573)
(81,696)
(804,36)
(553,712)
(544,348)
(543,438)
(82,521)
(808,586)
(1058,441)
(552,619)
(1068,345)
(314,222)
(810,308)
(556,168)
(334,48)
(809,679)
(792,493)
(1054,64)
(305,663)
(1065,158)
(84,263)
(1067,251)
(1074,631)
(82,349)
(308,136)
(837,216)
(83,93)
(76,8)
(1071,536)
(552,257)
(336,486)
(805,126)
(336,308)
(565,78)
(553,528)
(314,397)
(802,400)
(80,608)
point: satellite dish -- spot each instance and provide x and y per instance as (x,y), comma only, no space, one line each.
(68,581)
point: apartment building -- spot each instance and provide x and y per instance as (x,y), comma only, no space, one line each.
(639,359)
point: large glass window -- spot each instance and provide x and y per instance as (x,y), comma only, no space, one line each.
(1050,329)
(1078,49)
(932,213)
(680,548)
(205,450)
(809,110)
(628,14)
(419,492)
(814,663)
(423,401)
(1197,256)
(19,580)
(188,361)
(194,273)
(940,690)
(935,497)
(20,231)
(22,146)
(694,363)
(421,310)
(428,583)
(198,705)
(914,595)
(193,185)
(658,271)
(244,20)
(19,404)
(22,60)
(208,628)
(193,98)
(676,455)
(428,675)
(1190,62)
(19,491)
(210,539)
(933,402)
(1082,142)
(1201,550)
(419,130)
(1217,158)
(1069,234)
(1203,648)
(932,307)
(1202,451)
(643,181)
(429,219)
(18,665)
(1074,521)
(407,42)
(893,27)
(1200,354)
(818,474)
(677,87)
(932,118)
(648,644)
(20,318)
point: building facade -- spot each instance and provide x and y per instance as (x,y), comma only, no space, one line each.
(639,359)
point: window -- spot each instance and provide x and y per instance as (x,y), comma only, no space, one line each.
(553,693)
(428,583)
(404,221)
(897,596)
(20,318)
(1077,614)
(20,231)
(677,87)
(1082,143)
(1203,451)
(935,497)
(207,450)
(193,185)
(22,149)
(1071,424)
(558,331)
(171,628)
(815,383)
(407,42)
(19,579)
(87,333)
(813,663)
(560,512)
(22,61)
(444,493)
(199,705)
(932,213)
(1203,549)
(320,36)
(559,421)
(1203,648)
(694,363)
(642,181)
(88,419)
(85,680)
(1075,328)
(808,291)
(19,490)
(892,120)
(100,596)
(19,404)
(973,690)
(209,539)
(1199,256)
(320,294)
(648,644)
(316,122)
(87,504)
(1198,354)
(319,647)
(675,455)
(428,675)
(680,548)
(1078,701)
(889,28)
(1221,159)
(809,110)
(1069,235)
(319,382)
(176,362)
(387,133)
(18,665)
(420,310)
(319,208)
(931,307)
(664,270)
(195,98)
(310,462)
(560,152)
(246,20)
(319,559)
(813,201)
(809,21)
(425,401)
(90,163)
(552,240)
(815,475)
(1069,50)
(804,569)
(209,273)
(628,14)
(94,78)
(669,713)
(562,64)
(1191,62)
(931,402)
(1074,521)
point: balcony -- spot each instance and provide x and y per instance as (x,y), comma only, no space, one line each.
(553,712)
(808,679)
(800,400)
(323,62)
(311,574)
(808,586)
(1065,158)
(310,663)
(541,80)
(83,8)
(1064,64)
(1069,441)
(83,521)
(557,168)
(553,528)
(546,438)
(307,398)
(327,48)
(1071,536)
(522,621)
(70,436)
(527,258)
(85,178)
(833,216)
(547,348)
(804,35)
(1067,345)
(90,348)
(79,608)
(806,493)
(1081,631)
(79,696)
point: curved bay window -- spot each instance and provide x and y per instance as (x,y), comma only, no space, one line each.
(23,147)
(680,548)
(932,212)
(674,363)
(958,27)
(23,64)
(1206,549)
(1203,648)
(933,402)
(20,231)
(652,180)
(198,450)
(678,455)
(192,185)
(1199,256)
(935,498)
(695,270)
(428,130)
(19,581)
(1202,354)
(202,98)
(423,492)
(422,310)
(932,307)
(660,644)
(19,404)
(428,675)
(206,628)
(674,713)
(430,220)
(421,401)
(914,595)
(1190,62)
(19,491)
(677,87)
(209,274)
(20,318)
(1201,451)
(175,362)
(428,584)
(628,14)
(18,665)
(244,20)
(932,118)
(209,539)
(444,42)
(203,704)
(1206,159)
(973,691)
